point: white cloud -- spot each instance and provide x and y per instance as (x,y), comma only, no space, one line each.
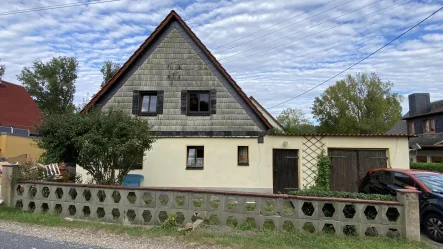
(113,31)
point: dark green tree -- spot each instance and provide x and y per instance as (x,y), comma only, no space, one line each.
(51,84)
(108,70)
(2,70)
(359,105)
(294,121)
(106,144)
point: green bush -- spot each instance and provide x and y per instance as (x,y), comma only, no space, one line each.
(337,194)
(437,167)
(324,172)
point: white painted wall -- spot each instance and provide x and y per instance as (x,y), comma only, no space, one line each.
(165,165)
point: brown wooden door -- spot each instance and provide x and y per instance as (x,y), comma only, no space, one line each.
(285,168)
(344,170)
(371,159)
(349,166)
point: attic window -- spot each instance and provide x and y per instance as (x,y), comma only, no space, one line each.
(198,103)
(148,103)
(428,126)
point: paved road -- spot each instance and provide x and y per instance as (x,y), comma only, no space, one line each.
(27,236)
(17,241)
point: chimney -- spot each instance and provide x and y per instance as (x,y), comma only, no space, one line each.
(419,103)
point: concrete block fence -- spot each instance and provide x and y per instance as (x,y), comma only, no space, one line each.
(151,206)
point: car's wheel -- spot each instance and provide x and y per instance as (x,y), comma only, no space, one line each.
(434,227)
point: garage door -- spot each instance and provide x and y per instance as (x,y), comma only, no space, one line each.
(349,166)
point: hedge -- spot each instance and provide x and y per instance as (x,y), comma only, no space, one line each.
(337,194)
(437,167)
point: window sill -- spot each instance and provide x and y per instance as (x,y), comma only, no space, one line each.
(194,168)
(148,114)
(198,114)
(243,164)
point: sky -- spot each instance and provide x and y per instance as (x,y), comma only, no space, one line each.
(274,50)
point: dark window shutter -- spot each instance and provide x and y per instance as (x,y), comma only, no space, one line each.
(213,99)
(184,99)
(160,102)
(135,98)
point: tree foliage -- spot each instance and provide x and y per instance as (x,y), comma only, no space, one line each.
(108,69)
(51,84)
(2,70)
(294,121)
(106,144)
(362,105)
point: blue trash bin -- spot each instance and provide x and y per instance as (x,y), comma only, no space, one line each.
(133,180)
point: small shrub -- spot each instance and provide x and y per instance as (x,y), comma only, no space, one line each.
(437,167)
(324,171)
(169,223)
(29,171)
(337,194)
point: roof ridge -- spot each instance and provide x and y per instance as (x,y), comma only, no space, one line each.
(206,51)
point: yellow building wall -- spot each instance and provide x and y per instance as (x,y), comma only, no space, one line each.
(13,146)
(397,149)
(165,164)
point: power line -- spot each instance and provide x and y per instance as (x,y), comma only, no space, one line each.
(310,27)
(178,61)
(275,24)
(311,34)
(275,31)
(360,61)
(54,7)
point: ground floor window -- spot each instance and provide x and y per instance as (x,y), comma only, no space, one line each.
(243,156)
(422,159)
(436,159)
(195,158)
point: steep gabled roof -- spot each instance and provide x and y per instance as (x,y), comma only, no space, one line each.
(174,16)
(266,114)
(17,108)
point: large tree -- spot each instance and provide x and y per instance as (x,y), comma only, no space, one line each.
(362,105)
(294,121)
(51,84)
(106,144)
(108,69)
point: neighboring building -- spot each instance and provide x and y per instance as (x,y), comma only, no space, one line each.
(213,136)
(18,114)
(425,120)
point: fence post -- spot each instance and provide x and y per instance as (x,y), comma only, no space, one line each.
(9,171)
(411,217)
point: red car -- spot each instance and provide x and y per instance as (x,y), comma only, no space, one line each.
(430,184)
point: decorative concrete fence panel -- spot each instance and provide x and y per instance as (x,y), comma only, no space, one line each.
(152,206)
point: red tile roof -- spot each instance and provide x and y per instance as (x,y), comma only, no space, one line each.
(173,15)
(17,108)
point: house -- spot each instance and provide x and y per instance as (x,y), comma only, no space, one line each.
(213,136)
(18,114)
(425,120)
